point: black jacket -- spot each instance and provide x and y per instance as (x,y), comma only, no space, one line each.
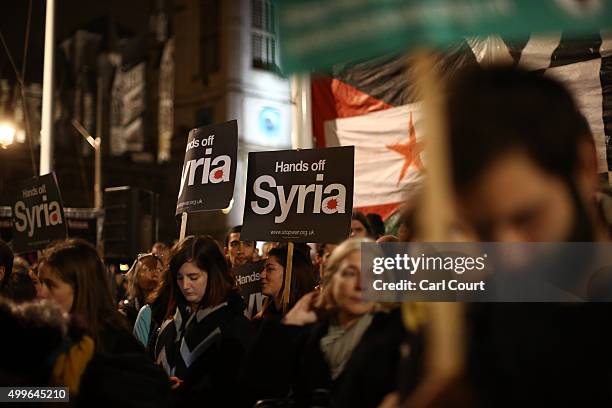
(130,308)
(222,338)
(288,360)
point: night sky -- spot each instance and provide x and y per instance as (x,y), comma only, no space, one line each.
(131,15)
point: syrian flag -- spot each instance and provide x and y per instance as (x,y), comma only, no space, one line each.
(372,106)
(388,155)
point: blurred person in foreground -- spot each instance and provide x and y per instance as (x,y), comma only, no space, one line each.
(524,170)
(47,347)
(523,159)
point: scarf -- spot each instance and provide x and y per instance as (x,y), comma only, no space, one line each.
(184,338)
(70,365)
(338,344)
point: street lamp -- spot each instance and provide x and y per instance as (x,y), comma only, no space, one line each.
(7,134)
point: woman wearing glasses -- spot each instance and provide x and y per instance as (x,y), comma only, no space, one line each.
(143,278)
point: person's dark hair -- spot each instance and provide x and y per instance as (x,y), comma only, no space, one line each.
(237,228)
(357,215)
(377,224)
(205,253)
(20,288)
(499,110)
(303,273)
(6,260)
(76,262)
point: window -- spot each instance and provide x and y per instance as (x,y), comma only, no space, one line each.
(210,14)
(263,35)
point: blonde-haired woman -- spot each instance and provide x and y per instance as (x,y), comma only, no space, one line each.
(318,348)
(143,278)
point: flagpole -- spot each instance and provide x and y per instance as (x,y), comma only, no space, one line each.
(46,134)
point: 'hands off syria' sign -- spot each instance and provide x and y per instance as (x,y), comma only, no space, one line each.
(38,214)
(300,196)
(209,170)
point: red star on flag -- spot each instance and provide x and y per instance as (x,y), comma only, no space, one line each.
(411,150)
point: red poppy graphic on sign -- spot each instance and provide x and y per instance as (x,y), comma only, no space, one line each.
(332,204)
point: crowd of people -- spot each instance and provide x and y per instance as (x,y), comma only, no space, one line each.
(523,169)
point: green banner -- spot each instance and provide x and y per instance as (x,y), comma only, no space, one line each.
(320,33)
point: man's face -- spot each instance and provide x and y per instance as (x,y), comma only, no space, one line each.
(517,201)
(240,252)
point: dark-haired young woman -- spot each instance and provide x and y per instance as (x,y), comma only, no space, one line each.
(202,344)
(73,277)
(303,281)
(72,274)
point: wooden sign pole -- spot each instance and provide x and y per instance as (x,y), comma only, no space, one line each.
(183,226)
(445,355)
(287,282)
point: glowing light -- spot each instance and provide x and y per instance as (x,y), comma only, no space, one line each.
(7,134)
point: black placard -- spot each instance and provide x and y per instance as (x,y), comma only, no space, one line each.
(38,213)
(249,283)
(299,196)
(209,169)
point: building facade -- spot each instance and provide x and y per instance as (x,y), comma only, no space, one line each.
(227,67)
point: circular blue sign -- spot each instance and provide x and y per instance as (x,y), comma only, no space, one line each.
(270,122)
